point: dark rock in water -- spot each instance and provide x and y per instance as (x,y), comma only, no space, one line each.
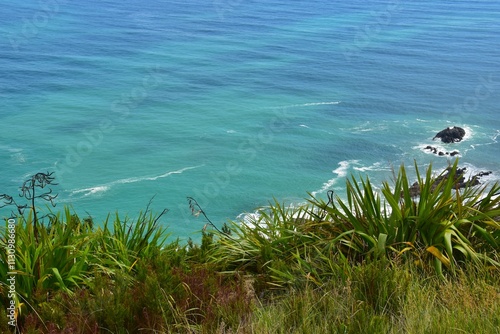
(430,148)
(459,179)
(451,135)
(483,173)
(440,153)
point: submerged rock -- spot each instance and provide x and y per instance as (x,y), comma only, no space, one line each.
(450,135)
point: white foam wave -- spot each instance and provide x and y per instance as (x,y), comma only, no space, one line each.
(91,191)
(255,219)
(249,218)
(439,148)
(312,104)
(344,167)
(154,178)
(107,186)
(368,126)
(472,170)
(469,133)
(376,167)
(341,172)
(489,140)
(316,104)
(492,140)
(495,136)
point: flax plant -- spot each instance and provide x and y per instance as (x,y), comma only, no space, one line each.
(285,246)
(56,258)
(121,243)
(439,226)
(440,220)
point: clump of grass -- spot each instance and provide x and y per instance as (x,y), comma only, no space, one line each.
(120,244)
(59,253)
(377,262)
(58,260)
(440,229)
(444,223)
(381,299)
(380,287)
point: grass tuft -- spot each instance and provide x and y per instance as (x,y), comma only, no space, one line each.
(394,260)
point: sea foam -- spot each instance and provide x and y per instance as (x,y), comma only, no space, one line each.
(100,189)
(311,104)
(341,172)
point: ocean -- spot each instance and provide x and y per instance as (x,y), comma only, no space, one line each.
(239,103)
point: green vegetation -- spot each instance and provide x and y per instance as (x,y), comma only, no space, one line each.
(383,261)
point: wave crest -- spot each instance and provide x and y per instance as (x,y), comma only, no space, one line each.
(100,189)
(311,104)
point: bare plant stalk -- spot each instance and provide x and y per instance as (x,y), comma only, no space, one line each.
(196,210)
(29,192)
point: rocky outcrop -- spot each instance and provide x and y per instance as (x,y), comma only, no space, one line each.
(441,153)
(450,135)
(459,179)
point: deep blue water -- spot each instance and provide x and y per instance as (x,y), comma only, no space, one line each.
(237,102)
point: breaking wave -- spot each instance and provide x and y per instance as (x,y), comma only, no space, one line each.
(100,189)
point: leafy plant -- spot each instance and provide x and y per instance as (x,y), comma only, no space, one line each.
(121,243)
(441,226)
(345,265)
(442,220)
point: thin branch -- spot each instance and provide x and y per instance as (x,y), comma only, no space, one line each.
(196,210)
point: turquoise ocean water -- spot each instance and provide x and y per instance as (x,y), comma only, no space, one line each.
(235,102)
